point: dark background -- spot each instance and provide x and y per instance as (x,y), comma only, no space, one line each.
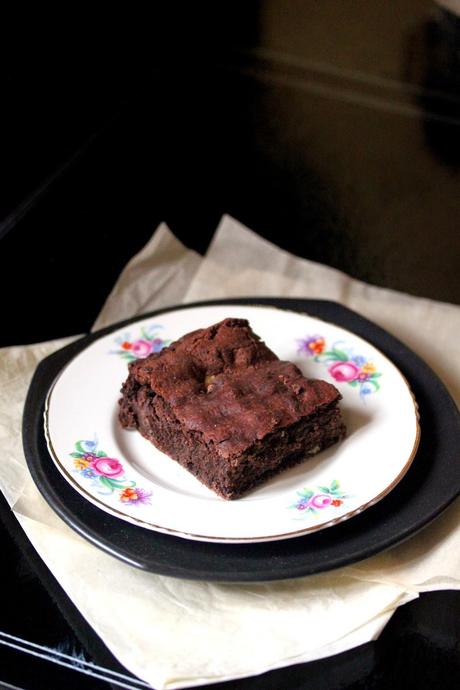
(331,128)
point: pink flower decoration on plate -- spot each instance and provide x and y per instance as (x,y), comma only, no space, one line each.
(344,371)
(141,348)
(107,467)
(343,364)
(105,474)
(310,501)
(321,501)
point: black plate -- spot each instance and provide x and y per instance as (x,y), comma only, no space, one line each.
(431,484)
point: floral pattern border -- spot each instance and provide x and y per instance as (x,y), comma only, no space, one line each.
(106,475)
(343,364)
(149,341)
(314,501)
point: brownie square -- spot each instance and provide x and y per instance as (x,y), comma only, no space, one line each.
(222,404)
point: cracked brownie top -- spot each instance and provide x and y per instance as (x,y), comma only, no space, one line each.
(223,382)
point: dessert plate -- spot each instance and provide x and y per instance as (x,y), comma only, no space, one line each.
(431,483)
(121,473)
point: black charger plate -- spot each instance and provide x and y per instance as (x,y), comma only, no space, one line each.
(430,485)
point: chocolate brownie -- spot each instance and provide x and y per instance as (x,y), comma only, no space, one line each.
(223,405)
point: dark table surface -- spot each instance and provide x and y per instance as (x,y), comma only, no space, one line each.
(332,129)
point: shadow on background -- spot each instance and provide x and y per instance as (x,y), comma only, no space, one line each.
(434,63)
(158,125)
(118,122)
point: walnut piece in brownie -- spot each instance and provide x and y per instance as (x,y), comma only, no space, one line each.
(227,409)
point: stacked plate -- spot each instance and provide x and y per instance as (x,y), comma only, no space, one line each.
(397,469)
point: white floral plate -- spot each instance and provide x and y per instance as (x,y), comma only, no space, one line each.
(123,474)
